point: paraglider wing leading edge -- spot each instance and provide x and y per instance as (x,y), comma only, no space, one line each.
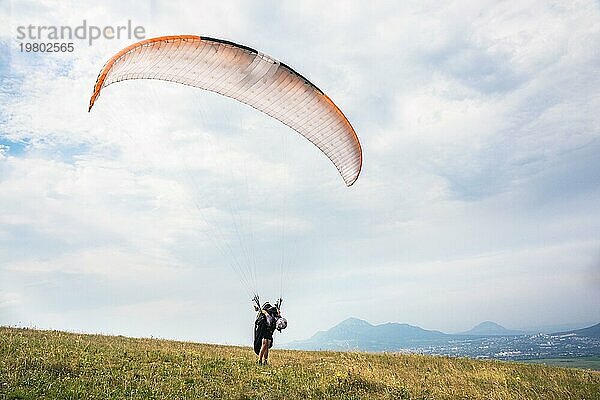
(248,76)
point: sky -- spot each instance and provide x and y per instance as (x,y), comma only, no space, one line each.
(478,198)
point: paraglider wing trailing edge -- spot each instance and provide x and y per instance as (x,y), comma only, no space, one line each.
(249,76)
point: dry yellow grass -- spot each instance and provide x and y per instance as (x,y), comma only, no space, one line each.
(49,364)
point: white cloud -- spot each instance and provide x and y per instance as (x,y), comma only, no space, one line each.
(161,309)
(111,263)
(478,122)
(9,299)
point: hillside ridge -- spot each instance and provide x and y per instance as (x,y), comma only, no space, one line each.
(51,364)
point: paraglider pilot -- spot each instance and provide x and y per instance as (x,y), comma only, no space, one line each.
(267,320)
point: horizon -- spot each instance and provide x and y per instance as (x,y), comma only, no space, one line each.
(154,213)
(547,329)
(526,330)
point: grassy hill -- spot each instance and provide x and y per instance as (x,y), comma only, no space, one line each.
(49,364)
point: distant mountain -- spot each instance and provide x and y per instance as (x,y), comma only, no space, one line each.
(486,340)
(489,328)
(591,331)
(356,334)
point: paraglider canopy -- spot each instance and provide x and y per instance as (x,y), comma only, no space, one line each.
(249,76)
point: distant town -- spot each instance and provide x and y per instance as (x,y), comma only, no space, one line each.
(522,347)
(487,340)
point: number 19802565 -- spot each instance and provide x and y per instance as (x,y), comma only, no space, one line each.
(46,47)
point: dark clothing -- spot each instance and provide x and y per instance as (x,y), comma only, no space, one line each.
(268,335)
(263,329)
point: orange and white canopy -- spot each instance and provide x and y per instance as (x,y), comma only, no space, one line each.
(248,76)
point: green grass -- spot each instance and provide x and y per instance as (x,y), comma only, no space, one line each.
(592,363)
(56,365)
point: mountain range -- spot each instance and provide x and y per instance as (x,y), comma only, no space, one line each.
(487,339)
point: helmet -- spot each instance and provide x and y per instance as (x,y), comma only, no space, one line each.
(281,324)
(266,306)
